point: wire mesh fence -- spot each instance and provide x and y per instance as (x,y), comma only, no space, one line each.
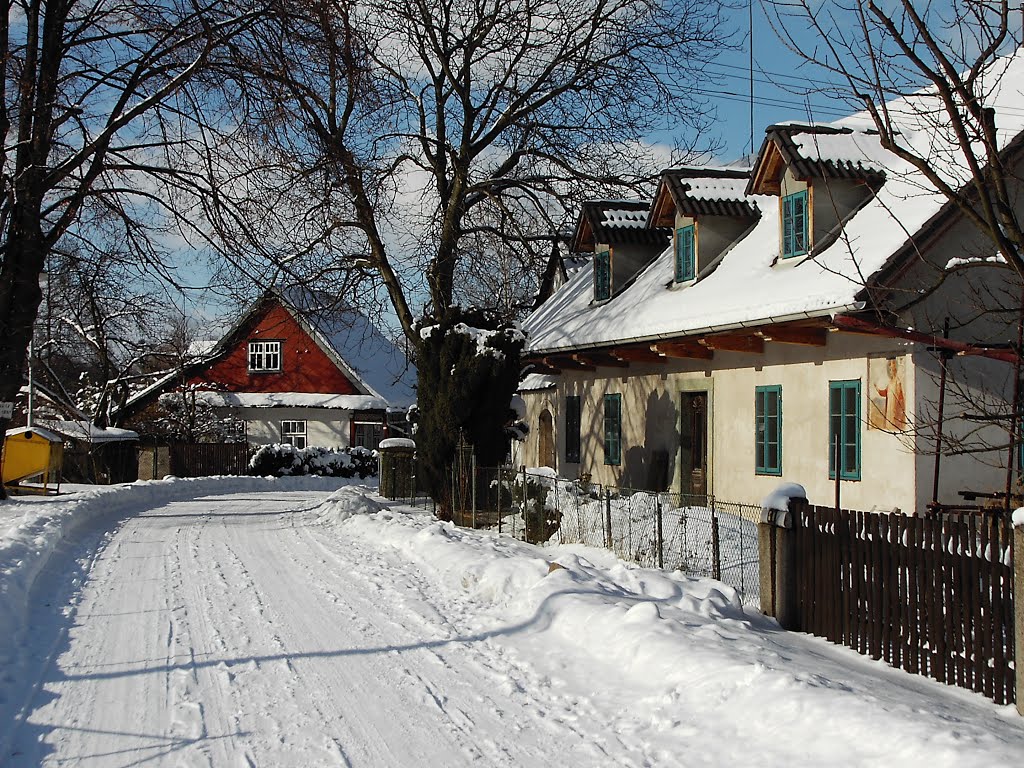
(698,535)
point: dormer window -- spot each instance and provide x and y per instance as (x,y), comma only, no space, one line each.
(264,356)
(602,275)
(794,224)
(685,254)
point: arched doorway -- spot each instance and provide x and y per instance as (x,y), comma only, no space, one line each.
(546,440)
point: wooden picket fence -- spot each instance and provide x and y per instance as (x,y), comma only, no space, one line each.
(933,596)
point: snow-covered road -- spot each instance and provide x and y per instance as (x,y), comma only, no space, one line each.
(234,630)
(262,627)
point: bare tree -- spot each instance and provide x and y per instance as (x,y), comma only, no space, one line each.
(436,136)
(86,112)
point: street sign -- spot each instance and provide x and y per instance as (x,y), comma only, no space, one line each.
(6,410)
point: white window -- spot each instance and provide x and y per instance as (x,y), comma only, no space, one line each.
(264,355)
(294,432)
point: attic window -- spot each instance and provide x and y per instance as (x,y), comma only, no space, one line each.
(602,275)
(685,260)
(264,355)
(794,224)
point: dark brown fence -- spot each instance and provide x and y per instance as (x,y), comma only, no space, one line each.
(933,596)
(204,459)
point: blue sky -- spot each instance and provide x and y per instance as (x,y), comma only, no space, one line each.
(781,84)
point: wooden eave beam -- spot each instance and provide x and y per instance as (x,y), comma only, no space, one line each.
(568,364)
(745,343)
(638,355)
(600,359)
(683,350)
(811,337)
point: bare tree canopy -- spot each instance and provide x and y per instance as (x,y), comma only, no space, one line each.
(90,120)
(435,134)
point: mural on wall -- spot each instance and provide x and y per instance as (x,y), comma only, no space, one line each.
(887,402)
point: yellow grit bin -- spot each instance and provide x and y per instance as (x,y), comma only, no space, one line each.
(32,452)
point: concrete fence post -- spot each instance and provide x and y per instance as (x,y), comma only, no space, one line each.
(397,455)
(776,542)
(1018,606)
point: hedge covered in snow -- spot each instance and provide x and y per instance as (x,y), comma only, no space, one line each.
(283,459)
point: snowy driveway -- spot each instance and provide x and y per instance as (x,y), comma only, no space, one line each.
(269,629)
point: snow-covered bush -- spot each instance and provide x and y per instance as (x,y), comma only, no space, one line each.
(281,459)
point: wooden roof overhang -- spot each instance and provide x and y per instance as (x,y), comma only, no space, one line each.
(749,341)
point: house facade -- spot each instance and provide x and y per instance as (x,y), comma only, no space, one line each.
(797,326)
(296,368)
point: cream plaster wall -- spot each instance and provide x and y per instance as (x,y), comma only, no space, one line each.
(324,427)
(651,404)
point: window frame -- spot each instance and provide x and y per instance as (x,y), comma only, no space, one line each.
(789,218)
(263,353)
(686,253)
(603,274)
(847,421)
(573,426)
(613,429)
(762,420)
(288,435)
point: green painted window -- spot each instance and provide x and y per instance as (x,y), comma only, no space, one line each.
(572,429)
(794,224)
(844,425)
(685,257)
(768,430)
(602,275)
(613,429)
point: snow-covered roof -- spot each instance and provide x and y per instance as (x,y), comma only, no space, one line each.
(376,362)
(535,382)
(43,433)
(292,400)
(752,285)
(87,431)
(617,217)
(615,221)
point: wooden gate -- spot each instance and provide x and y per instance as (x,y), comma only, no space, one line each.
(931,596)
(204,459)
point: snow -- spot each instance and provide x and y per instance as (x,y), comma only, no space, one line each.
(245,621)
(397,442)
(626,219)
(89,432)
(43,433)
(534,382)
(778,500)
(291,400)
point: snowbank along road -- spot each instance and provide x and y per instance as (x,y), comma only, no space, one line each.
(261,626)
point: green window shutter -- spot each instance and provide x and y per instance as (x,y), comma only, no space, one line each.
(572,429)
(602,275)
(613,429)
(844,425)
(685,255)
(768,430)
(794,224)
